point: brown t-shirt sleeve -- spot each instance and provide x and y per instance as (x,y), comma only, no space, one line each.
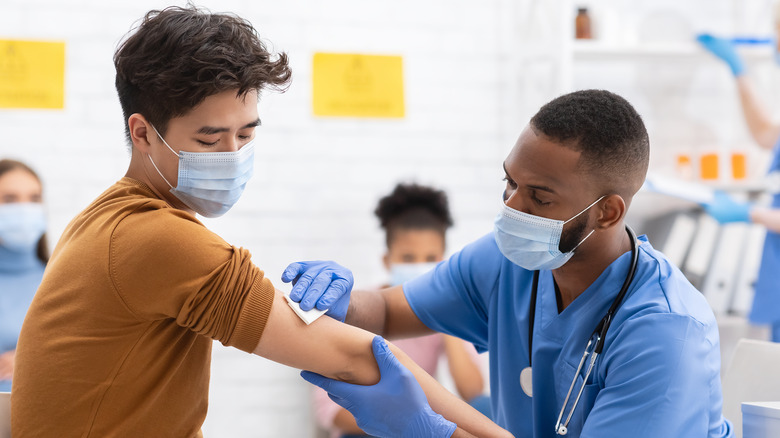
(164,264)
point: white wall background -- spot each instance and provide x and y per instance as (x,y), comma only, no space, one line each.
(469,92)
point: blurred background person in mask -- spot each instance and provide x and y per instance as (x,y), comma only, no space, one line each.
(415,220)
(766,132)
(23,255)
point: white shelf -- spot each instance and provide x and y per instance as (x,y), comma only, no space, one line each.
(585,50)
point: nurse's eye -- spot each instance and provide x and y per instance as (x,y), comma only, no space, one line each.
(538,201)
(510,183)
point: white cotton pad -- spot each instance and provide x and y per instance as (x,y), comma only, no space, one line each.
(308,316)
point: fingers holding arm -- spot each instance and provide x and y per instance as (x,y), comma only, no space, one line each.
(320,284)
(397,406)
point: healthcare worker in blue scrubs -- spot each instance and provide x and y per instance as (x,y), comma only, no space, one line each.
(570,179)
(766,133)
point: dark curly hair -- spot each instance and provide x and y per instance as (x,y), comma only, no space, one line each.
(178,57)
(606,130)
(415,207)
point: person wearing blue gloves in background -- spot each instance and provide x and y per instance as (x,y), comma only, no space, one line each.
(559,263)
(766,133)
(23,255)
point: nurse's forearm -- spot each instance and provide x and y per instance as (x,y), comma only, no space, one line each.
(386,313)
(367,311)
(768,217)
(762,128)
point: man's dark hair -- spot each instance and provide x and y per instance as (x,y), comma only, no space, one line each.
(178,57)
(413,207)
(606,130)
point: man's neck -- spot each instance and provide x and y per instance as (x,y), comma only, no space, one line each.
(586,266)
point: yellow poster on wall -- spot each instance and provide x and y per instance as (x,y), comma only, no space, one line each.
(32,74)
(355,85)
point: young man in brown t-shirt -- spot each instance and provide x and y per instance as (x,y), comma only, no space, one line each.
(118,339)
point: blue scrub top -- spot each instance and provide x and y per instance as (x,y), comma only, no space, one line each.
(766,303)
(659,373)
(20,276)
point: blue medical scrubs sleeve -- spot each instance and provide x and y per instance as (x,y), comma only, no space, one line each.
(454,298)
(661,381)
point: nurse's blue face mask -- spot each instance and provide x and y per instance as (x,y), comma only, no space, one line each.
(531,242)
(210,183)
(21,226)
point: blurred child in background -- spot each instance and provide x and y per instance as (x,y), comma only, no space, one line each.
(415,219)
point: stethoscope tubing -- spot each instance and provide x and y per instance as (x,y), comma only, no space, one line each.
(605,323)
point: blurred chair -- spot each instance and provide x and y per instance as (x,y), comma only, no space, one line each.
(5,415)
(751,377)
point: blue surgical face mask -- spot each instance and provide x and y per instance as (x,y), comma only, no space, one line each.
(400,273)
(531,242)
(21,226)
(210,183)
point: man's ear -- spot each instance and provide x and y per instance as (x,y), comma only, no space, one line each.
(612,210)
(141,132)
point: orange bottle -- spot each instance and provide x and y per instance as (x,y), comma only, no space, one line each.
(582,24)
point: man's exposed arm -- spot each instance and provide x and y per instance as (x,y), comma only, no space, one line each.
(343,352)
(386,313)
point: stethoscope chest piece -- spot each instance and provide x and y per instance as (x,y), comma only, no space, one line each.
(526,381)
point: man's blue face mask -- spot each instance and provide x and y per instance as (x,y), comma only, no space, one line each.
(210,183)
(531,242)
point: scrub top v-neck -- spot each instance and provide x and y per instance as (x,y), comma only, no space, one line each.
(657,376)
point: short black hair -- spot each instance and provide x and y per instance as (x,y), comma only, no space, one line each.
(179,56)
(606,130)
(413,207)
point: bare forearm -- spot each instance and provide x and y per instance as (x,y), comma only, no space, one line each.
(768,217)
(449,406)
(367,310)
(761,126)
(464,370)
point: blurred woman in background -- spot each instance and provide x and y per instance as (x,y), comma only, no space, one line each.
(23,255)
(415,219)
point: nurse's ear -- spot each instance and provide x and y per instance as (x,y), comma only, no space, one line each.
(140,132)
(611,211)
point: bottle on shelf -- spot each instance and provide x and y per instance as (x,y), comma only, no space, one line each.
(582,29)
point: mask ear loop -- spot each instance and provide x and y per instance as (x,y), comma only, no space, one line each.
(174,152)
(583,211)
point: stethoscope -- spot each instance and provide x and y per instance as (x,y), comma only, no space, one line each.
(593,348)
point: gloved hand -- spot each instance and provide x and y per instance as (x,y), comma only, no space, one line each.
(394,407)
(324,285)
(725,209)
(724,50)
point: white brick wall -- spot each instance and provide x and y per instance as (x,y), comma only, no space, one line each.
(317,180)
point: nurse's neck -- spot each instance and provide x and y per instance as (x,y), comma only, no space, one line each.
(588,262)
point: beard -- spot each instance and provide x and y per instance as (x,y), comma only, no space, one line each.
(570,239)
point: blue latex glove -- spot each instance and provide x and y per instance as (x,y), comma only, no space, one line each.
(394,407)
(726,210)
(724,50)
(324,285)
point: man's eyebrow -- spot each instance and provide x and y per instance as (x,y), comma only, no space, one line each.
(531,186)
(208,130)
